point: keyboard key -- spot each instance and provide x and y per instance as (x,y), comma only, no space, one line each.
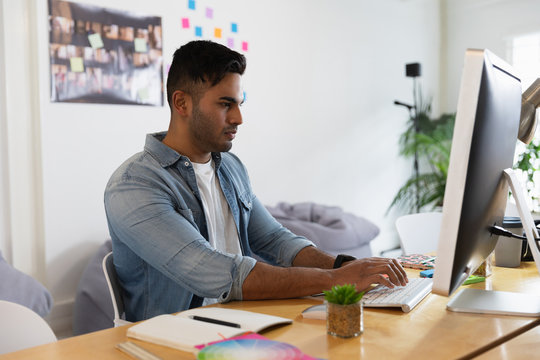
(405,297)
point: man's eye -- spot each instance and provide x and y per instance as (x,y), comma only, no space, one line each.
(226,104)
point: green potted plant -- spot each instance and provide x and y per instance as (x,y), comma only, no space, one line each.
(344,311)
(528,162)
(430,141)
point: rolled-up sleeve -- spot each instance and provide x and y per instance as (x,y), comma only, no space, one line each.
(270,240)
(146,220)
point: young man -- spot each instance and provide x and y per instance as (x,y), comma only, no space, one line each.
(184,220)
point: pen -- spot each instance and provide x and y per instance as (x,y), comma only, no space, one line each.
(431,259)
(215,321)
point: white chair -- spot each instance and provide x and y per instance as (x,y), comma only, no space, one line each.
(22,328)
(114,290)
(419,233)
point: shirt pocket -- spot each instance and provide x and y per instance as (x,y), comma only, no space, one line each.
(246,206)
(245,200)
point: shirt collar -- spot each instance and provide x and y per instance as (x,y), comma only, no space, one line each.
(165,155)
(161,152)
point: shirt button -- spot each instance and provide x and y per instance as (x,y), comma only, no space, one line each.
(186,163)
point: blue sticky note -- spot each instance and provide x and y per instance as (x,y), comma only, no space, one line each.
(234,27)
(191,4)
(198,31)
(427,273)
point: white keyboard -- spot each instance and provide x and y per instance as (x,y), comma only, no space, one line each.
(405,297)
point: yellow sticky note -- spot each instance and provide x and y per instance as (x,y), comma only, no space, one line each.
(95,41)
(217,33)
(140,45)
(77,64)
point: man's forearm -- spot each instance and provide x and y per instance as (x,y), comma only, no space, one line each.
(266,281)
(310,256)
(273,282)
(309,275)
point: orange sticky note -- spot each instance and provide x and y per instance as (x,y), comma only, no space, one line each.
(217,33)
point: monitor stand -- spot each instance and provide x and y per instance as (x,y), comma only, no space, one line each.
(502,302)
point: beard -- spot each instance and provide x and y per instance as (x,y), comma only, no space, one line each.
(207,134)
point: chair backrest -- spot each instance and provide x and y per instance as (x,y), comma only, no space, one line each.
(21,328)
(115,290)
(419,233)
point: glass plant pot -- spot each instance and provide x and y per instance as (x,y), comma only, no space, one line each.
(345,320)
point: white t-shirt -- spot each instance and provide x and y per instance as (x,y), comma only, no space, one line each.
(222,232)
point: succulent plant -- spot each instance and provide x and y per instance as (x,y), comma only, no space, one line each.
(343,294)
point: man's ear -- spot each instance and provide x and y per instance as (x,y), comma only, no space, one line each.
(181,102)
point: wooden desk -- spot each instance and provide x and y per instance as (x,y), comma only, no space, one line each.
(524,346)
(429,331)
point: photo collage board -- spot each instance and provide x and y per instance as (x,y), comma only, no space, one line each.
(101,55)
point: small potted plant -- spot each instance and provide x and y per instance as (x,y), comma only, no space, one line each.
(344,311)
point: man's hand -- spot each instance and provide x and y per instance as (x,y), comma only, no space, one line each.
(367,271)
(312,273)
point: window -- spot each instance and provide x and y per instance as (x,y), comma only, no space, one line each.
(525,57)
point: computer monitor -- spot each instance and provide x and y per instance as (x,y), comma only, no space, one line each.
(483,146)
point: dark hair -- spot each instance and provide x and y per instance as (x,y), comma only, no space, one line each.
(201,61)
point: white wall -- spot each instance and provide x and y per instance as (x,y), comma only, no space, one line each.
(320,94)
(481,24)
(319,120)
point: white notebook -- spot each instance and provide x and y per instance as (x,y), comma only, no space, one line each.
(183,332)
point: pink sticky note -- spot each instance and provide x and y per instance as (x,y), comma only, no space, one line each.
(245,45)
(185,23)
(209,13)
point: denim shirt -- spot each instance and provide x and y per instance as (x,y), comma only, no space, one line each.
(159,232)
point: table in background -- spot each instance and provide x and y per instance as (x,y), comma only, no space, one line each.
(429,331)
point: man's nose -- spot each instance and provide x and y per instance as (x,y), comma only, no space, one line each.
(235,116)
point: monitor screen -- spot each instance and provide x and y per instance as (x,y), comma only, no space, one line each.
(483,145)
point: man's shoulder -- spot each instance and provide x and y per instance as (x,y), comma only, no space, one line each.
(137,166)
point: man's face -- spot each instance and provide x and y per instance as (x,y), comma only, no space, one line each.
(216,115)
